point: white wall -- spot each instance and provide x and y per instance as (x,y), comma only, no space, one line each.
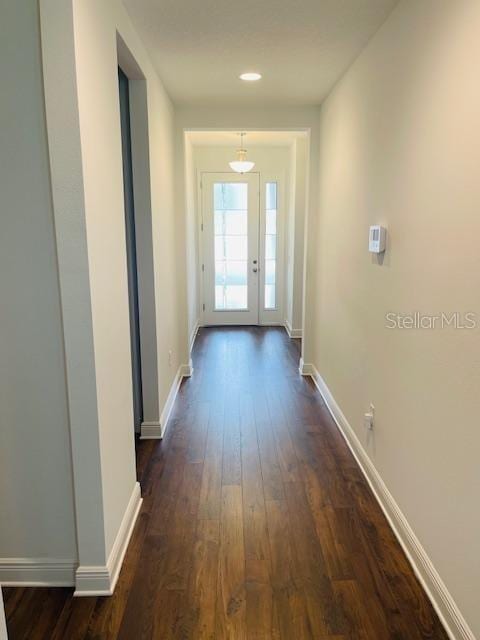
(98,104)
(296,235)
(96,57)
(96,69)
(190,201)
(400,145)
(36,499)
(290,239)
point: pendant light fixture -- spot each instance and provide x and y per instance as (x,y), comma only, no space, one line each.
(241,164)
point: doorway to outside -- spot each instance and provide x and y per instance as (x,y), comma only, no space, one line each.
(130,234)
(241,248)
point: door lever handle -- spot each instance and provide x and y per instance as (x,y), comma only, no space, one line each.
(254,269)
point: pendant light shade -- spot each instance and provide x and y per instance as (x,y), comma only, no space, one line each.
(241,164)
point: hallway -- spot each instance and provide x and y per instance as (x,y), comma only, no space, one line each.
(256,521)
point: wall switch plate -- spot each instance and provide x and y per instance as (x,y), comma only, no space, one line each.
(377,239)
(369,418)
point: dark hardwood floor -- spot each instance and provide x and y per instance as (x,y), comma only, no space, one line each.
(256,522)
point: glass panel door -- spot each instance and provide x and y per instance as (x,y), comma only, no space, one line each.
(270,245)
(230,248)
(272,249)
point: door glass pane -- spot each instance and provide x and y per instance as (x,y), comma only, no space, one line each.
(269,296)
(270,245)
(271,196)
(231,245)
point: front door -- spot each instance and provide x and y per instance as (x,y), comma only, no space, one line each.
(230,248)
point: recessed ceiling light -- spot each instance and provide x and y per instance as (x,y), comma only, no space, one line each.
(251,76)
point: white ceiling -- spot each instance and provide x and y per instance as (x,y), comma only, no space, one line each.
(251,138)
(300,46)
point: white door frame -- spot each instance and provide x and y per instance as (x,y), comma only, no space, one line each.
(3,623)
(272,317)
(267,317)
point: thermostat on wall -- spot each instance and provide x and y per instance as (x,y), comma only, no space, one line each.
(376,239)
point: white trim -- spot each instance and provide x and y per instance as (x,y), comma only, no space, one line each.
(292,333)
(193,335)
(269,324)
(3,622)
(186,370)
(279,178)
(150,430)
(156,430)
(37,572)
(305,369)
(101,580)
(93,581)
(441,599)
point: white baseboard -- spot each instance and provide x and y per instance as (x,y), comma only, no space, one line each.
(441,599)
(3,622)
(51,572)
(193,335)
(150,430)
(156,430)
(37,572)
(269,323)
(101,580)
(305,369)
(292,333)
(186,370)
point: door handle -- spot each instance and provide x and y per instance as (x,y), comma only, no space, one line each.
(254,269)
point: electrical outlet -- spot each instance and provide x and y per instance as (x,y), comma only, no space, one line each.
(369,418)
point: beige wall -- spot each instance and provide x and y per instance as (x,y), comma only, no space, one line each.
(97,86)
(296,234)
(400,145)
(36,499)
(96,26)
(189,198)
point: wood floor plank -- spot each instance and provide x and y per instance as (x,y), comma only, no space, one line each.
(271,474)
(260,620)
(324,613)
(198,436)
(202,590)
(289,601)
(73,621)
(181,535)
(286,454)
(211,486)
(232,466)
(231,596)
(362,625)
(138,618)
